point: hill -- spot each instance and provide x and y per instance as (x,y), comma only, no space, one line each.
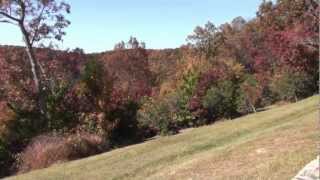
(272,144)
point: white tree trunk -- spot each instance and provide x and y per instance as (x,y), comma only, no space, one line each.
(35,69)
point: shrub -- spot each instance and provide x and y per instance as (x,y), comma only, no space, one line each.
(222,101)
(59,116)
(6,117)
(6,159)
(292,86)
(45,150)
(90,99)
(158,115)
(29,122)
(25,125)
(102,108)
(42,152)
(206,80)
(184,93)
(252,94)
(124,117)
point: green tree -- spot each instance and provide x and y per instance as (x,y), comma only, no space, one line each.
(184,94)
(159,115)
(222,100)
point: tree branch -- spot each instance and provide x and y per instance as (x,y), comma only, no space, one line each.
(7,21)
(23,10)
(9,17)
(33,38)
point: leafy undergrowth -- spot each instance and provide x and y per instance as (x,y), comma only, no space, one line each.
(273,144)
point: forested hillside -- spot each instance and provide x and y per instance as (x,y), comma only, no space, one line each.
(92,103)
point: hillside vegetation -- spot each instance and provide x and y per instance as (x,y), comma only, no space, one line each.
(58,106)
(272,144)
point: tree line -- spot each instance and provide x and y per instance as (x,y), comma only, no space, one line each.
(90,103)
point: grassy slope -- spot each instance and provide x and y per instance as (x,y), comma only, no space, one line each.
(273,144)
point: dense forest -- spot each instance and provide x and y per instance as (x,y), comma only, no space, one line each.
(91,103)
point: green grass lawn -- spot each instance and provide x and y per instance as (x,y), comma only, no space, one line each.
(273,144)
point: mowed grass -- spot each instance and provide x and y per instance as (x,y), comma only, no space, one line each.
(273,144)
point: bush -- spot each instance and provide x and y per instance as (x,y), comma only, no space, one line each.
(6,118)
(59,116)
(6,159)
(292,86)
(45,150)
(222,101)
(252,94)
(184,93)
(125,129)
(28,122)
(158,115)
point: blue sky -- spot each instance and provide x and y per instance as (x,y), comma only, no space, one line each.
(97,25)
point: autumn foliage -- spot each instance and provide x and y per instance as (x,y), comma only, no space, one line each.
(101,101)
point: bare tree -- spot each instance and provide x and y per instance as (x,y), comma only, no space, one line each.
(38,21)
